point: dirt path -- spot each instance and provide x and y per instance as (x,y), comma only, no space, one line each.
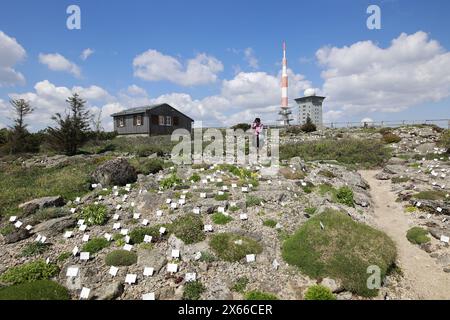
(421,273)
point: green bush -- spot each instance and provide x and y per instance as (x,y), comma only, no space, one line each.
(34,248)
(220,218)
(221,197)
(8,229)
(36,290)
(344,195)
(193,290)
(195,177)
(94,214)
(170,182)
(188,228)
(251,201)
(444,140)
(137,234)
(399,179)
(259,295)
(343,250)
(327,174)
(121,258)
(147,166)
(224,246)
(319,292)
(47,214)
(64,256)
(311,210)
(242,126)
(417,235)
(95,245)
(390,137)
(31,271)
(309,126)
(240,285)
(207,257)
(430,195)
(352,152)
(269,223)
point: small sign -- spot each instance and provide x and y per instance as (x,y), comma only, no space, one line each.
(68,234)
(162,230)
(202,195)
(75,251)
(148,296)
(208,228)
(18,224)
(28,227)
(192,276)
(136,216)
(175,253)
(82,227)
(148,271)
(147,238)
(113,271)
(159,213)
(85,293)
(108,236)
(127,247)
(124,232)
(250,258)
(173,205)
(196,210)
(243,216)
(116,226)
(168,201)
(221,209)
(80,222)
(84,256)
(445,239)
(85,238)
(130,278)
(172,267)
(72,210)
(72,272)
(145,222)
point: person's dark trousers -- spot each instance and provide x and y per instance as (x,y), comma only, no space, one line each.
(257,141)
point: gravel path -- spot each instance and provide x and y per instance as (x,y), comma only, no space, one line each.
(421,273)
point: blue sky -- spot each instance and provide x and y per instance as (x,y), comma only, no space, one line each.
(142,51)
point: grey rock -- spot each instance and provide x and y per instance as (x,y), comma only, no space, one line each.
(344,296)
(332,284)
(166,293)
(32,206)
(16,236)
(151,258)
(109,291)
(54,227)
(444,260)
(114,172)
(382,176)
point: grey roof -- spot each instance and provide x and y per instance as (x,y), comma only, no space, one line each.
(144,109)
(136,110)
(309,97)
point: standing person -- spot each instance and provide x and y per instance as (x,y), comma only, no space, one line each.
(257,127)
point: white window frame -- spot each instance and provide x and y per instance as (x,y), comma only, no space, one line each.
(169,121)
(161,120)
(121,122)
(139,119)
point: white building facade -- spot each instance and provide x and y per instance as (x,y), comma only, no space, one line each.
(310,106)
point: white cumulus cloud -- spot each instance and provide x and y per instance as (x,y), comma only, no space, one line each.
(86,54)
(11,52)
(57,62)
(364,78)
(152,65)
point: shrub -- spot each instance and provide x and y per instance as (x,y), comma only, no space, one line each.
(221,197)
(444,140)
(343,250)
(147,166)
(242,126)
(240,285)
(327,173)
(417,235)
(195,177)
(351,151)
(225,247)
(292,175)
(34,248)
(31,271)
(391,138)
(430,195)
(8,229)
(137,234)
(311,210)
(220,218)
(309,126)
(207,257)
(252,201)
(259,295)
(188,228)
(94,214)
(319,292)
(170,182)
(95,245)
(36,290)
(410,209)
(121,258)
(344,195)
(269,223)
(399,179)
(193,290)
(63,256)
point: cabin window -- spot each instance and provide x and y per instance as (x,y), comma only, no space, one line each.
(161,120)
(168,121)
(121,122)
(176,121)
(138,120)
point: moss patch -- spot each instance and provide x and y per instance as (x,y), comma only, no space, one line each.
(233,247)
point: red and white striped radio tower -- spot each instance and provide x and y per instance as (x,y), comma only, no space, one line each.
(285,111)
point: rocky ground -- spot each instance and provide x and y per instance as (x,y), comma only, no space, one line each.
(417,165)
